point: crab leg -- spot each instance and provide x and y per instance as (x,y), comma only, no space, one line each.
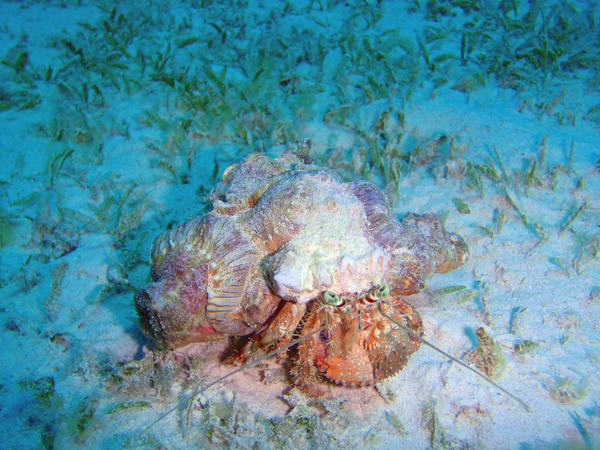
(276,335)
(311,353)
(282,326)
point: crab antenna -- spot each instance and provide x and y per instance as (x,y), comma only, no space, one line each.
(447,355)
(244,367)
(197,390)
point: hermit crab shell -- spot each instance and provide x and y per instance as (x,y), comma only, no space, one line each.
(208,283)
(283,231)
(316,238)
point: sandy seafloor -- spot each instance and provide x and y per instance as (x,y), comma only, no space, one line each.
(117,121)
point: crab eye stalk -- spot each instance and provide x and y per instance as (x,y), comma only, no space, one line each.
(377,293)
(382,291)
(332,299)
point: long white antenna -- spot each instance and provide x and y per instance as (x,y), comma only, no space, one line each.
(190,398)
(447,355)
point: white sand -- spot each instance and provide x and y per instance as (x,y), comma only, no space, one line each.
(76,227)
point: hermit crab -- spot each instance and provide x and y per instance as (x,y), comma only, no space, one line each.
(290,253)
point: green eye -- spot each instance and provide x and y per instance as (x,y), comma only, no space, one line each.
(382,291)
(331,298)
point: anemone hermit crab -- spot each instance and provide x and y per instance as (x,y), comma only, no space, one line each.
(291,251)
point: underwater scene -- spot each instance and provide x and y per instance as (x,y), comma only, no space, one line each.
(300,224)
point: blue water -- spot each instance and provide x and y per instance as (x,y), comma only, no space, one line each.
(119,118)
